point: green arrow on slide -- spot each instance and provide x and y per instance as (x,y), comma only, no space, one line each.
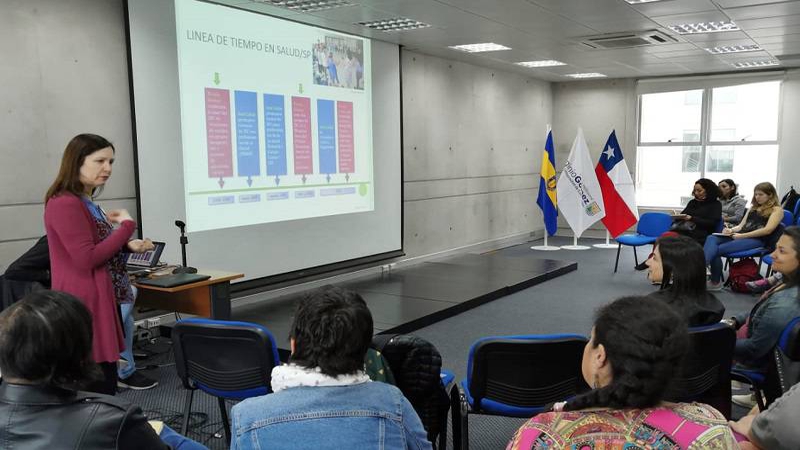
(300,88)
(216,78)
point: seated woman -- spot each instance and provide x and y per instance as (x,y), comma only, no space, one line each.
(702,214)
(636,343)
(733,205)
(760,221)
(323,399)
(773,429)
(678,265)
(774,310)
(45,357)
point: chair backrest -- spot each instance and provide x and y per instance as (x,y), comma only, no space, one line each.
(528,371)
(704,373)
(224,358)
(653,224)
(796,211)
(787,357)
(788,218)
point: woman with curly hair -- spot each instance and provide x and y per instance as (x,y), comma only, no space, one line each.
(635,346)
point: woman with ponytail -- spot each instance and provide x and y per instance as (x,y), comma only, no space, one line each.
(636,343)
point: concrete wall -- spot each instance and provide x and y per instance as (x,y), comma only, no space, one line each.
(473,140)
(789,151)
(64,72)
(598,107)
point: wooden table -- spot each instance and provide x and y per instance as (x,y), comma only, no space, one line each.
(207,298)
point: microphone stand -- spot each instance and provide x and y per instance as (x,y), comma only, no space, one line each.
(184,241)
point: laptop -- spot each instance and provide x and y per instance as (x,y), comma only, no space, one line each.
(175,279)
(142,262)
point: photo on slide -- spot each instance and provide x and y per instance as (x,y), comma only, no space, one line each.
(338,62)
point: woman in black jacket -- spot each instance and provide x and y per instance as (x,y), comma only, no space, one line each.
(702,215)
(45,357)
(678,264)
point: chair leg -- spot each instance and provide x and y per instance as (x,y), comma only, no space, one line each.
(225,422)
(635,257)
(187,409)
(616,264)
(455,413)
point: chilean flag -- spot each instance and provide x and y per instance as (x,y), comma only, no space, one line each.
(616,184)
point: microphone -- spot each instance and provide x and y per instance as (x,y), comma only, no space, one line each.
(184,240)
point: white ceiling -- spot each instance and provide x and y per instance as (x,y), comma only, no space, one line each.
(553,29)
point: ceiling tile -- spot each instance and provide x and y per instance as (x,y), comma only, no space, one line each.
(762,11)
(770,22)
(738,3)
(677,19)
(674,7)
(777,31)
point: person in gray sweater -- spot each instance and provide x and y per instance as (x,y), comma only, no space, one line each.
(773,429)
(733,205)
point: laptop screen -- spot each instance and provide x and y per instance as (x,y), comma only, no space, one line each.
(146,259)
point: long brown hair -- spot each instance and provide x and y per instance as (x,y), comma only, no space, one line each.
(68,178)
(773,200)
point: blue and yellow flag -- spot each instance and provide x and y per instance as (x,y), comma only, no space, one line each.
(547,187)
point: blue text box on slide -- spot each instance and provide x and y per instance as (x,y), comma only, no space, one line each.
(275,134)
(247,152)
(326,127)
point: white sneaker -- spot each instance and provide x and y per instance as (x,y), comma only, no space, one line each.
(746,400)
(738,385)
(714,287)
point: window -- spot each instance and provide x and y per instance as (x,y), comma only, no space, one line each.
(716,133)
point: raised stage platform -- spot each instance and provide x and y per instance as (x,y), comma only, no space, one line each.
(407,299)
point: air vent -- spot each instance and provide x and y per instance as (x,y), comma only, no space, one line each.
(627,40)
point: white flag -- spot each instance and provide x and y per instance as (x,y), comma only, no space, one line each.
(579,196)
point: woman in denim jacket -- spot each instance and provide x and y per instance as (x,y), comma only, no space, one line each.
(323,395)
(776,308)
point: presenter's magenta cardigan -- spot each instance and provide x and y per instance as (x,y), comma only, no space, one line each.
(78,266)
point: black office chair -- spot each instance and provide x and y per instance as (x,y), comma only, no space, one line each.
(229,360)
(783,370)
(516,376)
(704,374)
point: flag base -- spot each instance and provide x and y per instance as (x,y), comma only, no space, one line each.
(546,248)
(605,245)
(575,247)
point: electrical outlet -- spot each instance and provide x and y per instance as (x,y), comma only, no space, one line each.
(152,322)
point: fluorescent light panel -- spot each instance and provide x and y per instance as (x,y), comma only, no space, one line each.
(733,49)
(482,47)
(704,27)
(586,75)
(543,63)
(636,2)
(759,63)
(394,24)
(309,5)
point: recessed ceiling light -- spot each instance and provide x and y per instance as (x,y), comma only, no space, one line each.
(545,63)
(636,2)
(394,24)
(586,75)
(733,49)
(483,47)
(704,27)
(759,63)
(308,5)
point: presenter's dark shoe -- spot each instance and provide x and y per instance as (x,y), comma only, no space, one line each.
(137,382)
(641,266)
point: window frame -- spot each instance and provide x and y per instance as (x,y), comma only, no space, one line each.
(704,142)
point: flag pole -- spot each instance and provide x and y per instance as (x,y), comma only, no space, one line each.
(575,245)
(545,247)
(608,243)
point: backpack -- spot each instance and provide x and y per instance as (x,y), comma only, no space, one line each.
(740,273)
(789,201)
(416,365)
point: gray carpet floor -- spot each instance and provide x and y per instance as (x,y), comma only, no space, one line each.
(563,305)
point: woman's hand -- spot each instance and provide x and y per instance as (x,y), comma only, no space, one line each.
(728,232)
(140,245)
(119,215)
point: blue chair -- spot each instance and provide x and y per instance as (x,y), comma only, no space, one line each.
(516,376)
(651,225)
(782,372)
(225,359)
(704,374)
(796,211)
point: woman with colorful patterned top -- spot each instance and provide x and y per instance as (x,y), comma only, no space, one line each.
(636,344)
(86,246)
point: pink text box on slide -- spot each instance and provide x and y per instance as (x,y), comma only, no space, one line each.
(301,135)
(344,115)
(218,133)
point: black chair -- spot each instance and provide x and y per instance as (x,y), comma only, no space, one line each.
(229,360)
(705,372)
(517,376)
(783,370)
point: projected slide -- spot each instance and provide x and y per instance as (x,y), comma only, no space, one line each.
(276,118)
